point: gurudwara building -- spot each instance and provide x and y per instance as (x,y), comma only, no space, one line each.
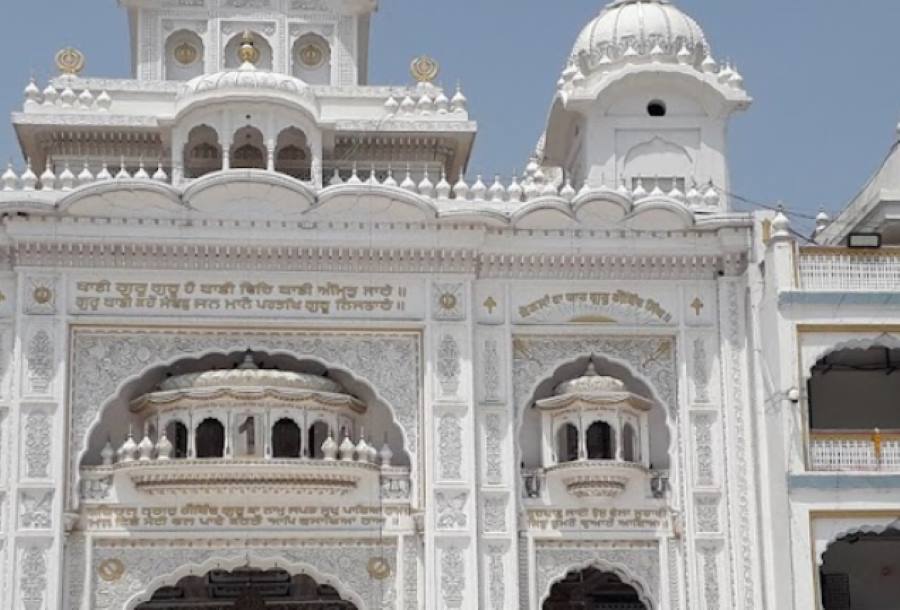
(266,345)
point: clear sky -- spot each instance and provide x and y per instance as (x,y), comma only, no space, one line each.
(823,74)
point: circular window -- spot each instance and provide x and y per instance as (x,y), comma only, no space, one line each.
(656,108)
(186,54)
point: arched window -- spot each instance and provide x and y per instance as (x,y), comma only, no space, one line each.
(210,440)
(567,443)
(318,434)
(260,44)
(285,439)
(248,150)
(292,155)
(184,56)
(599,441)
(202,153)
(177,434)
(629,444)
(312,60)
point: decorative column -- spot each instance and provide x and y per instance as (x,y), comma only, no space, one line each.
(497,471)
(36,422)
(450,521)
(8,432)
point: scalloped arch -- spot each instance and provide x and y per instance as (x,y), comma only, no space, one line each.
(883,340)
(624,574)
(662,214)
(123,198)
(374,202)
(248,560)
(838,535)
(252,192)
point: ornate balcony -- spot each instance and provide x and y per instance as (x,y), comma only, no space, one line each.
(854,450)
(589,479)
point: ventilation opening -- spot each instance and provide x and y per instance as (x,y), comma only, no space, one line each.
(656,108)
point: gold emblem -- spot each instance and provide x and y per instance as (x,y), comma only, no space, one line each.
(70,61)
(312,55)
(186,54)
(379,568)
(448,301)
(424,69)
(490,304)
(42,295)
(247,52)
(111,570)
(697,306)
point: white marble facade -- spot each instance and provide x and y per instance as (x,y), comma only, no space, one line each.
(248,327)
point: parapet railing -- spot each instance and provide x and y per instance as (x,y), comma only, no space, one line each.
(849,270)
(854,450)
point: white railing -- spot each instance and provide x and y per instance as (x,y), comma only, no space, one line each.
(849,270)
(854,450)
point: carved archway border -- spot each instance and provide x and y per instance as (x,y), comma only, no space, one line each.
(104,360)
(624,563)
(147,565)
(879,339)
(843,528)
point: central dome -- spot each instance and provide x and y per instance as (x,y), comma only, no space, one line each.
(639,27)
(242,79)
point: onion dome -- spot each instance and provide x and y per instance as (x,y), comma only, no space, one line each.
(623,189)
(108,454)
(329,449)
(86,99)
(822,220)
(386,455)
(104,102)
(141,173)
(50,95)
(10,179)
(390,180)
(391,106)
(407,106)
(32,93)
(248,374)
(781,226)
(461,189)
(711,196)
(590,383)
(48,179)
(639,191)
(515,191)
(372,180)
(67,178)
(163,448)
(145,449)
(639,27)
(67,98)
(336,179)
(160,174)
(128,450)
(426,186)
(123,172)
(425,104)
(458,103)
(85,177)
(362,450)
(408,183)
(568,191)
(442,103)
(29,179)
(104,174)
(347,449)
(443,187)
(497,192)
(479,189)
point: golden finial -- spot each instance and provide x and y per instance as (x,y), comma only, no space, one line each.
(424,69)
(247,52)
(70,61)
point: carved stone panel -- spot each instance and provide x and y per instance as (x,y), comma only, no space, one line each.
(105,359)
(39,358)
(448,301)
(493,448)
(450,448)
(704,450)
(453,576)
(493,518)
(410,573)
(35,509)
(33,581)
(451,510)
(496,577)
(37,427)
(448,366)
(40,295)
(123,571)
(492,376)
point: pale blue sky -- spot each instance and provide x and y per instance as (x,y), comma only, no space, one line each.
(823,74)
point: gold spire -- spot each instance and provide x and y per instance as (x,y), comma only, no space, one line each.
(247,52)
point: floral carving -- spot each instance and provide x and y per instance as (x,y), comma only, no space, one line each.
(709,558)
(701,374)
(448,366)
(451,510)
(35,510)
(450,448)
(496,578)
(707,511)
(411,573)
(453,576)
(37,445)
(494,515)
(703,450)
(490,371)
(33,576)
(103,360)
(74,572)
(493,428)
(40,362)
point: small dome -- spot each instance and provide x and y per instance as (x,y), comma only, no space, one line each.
(590,383)
(642,27)
(248,374)
(242,79)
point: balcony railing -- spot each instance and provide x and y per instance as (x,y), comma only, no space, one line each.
(843,269)
(854,450)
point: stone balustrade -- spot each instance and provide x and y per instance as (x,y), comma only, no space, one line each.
(854,450)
